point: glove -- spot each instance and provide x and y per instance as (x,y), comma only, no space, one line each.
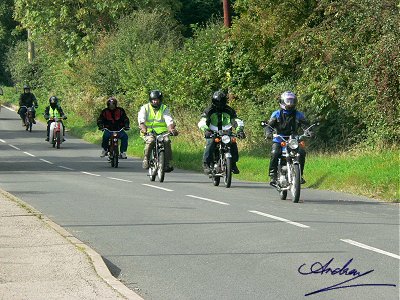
(208,134)
(36,106)
(268,134)
(64,117)
(101,127)
(174,132)
(241,135)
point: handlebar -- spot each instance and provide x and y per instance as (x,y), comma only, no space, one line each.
(113,131)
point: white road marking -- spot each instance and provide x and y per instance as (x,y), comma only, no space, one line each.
(157,187)
(3,141)
(27,153)
(10,109)
(209,200)
(46,161)
(370,248)
(66,168)
(279,219)
(119,179)
(12,146)
(91,174)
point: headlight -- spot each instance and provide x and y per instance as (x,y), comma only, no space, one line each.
(293,144)
(160,138)
(226,139)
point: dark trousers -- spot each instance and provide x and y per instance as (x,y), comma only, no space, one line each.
(210,149)
(22,112)
(276,153)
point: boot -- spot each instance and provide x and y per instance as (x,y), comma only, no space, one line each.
(206,168)
(235,169)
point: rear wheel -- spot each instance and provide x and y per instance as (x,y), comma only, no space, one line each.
(295,188)
(228,172)
(161,165)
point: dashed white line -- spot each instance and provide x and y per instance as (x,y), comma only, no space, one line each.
(370,248)
(157,187)
(66,168)
(119,179)
(12,146)
(46,161)
(279,219)
(27,153)
(209,200)
(91,174)
(3,141)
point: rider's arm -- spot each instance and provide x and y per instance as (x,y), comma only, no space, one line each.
(46,114)
(35,100)
(100,120)
(142,115)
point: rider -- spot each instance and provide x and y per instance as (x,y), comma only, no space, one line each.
(220,116)
(52,111)
(285,121)
(113,118)
(27,99)
(155,116)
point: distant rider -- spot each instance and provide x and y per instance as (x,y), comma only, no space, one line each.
(155,116)
(220,116)
(52,111)
(27,99)
(113,118)
(285,121)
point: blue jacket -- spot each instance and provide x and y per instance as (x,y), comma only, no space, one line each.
(287,122)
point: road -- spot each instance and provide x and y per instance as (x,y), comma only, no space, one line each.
(186,239)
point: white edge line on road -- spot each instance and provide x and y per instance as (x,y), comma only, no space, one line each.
(3,141)
(12,146)
(119,179)
(46,161)
(10,109)
(27,153)
(279,219)
(66,168)
(209,200)
(91,174)
(157,187)
(370,248)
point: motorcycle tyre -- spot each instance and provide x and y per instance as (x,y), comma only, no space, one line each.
(216,180)
(161,165)
(228,172)
(58,139)
(152,167)
(283,194)
(295,188)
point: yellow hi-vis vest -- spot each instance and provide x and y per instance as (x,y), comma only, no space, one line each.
(155,120)
(53,113)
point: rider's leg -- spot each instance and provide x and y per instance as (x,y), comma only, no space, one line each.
(22,112)
(235,158)
(208,155)
(273,164)
(104,143)
(124,141)
(302,160)
(168,154)
(150,140)
(48,130)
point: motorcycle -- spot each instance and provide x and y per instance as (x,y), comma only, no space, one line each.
(56,132)
(28,117)
(289,169)
(113,147)
(157,157)
(221,166)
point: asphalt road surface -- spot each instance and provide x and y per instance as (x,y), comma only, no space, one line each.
(186,239)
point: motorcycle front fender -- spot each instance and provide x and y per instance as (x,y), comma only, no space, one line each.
(228,154)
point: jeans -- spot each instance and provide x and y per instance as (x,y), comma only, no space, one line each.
(121,135)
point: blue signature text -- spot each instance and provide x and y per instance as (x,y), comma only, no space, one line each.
(320,268)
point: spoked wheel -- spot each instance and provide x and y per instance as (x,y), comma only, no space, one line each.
(228,172)
(115,159)
(161,165)
(30,125)
(152,167)
(58,139)
(295,188)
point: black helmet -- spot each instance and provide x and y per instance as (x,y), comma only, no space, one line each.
(53,100)
(155,94)
(26,87)
(288,101)
(219,99)
(112,102)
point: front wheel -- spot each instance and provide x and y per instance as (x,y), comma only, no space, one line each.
(228,172)
(161,165)
(152,166)
(295,184)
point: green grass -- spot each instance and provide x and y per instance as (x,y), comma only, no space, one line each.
(368,173)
